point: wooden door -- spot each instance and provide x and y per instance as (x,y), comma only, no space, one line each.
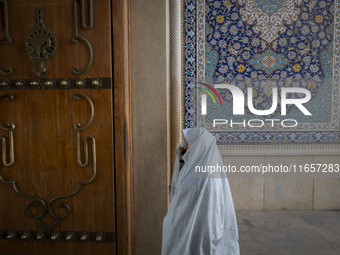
(56,112)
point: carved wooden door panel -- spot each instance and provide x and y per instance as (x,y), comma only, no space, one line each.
(56,162)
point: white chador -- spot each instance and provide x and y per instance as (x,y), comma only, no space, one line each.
(201,219)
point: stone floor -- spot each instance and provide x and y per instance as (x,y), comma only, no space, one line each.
(289,232)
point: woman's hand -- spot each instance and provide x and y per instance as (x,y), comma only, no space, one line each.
(183,150)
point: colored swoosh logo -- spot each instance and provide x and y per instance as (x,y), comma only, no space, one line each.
(213,90)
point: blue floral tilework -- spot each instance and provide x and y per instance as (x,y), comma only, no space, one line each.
(264,44)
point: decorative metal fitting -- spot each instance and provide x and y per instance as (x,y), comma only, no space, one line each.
(76,37)
(70,236)
(41,45)
(4,84)
(11,235)
(26,236)
(100,237)
(34,83)
(96,83)
(36,200)
(49,84)
(10,129)
(64,83)
(40,235)
(6,38)
(55,236)
(85,236)
(19,84)
(80,83)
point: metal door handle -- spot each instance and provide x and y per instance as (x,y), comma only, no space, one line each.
(10,128)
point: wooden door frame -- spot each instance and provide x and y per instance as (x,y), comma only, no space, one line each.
(122,125)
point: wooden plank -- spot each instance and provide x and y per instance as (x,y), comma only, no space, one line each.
(122,120)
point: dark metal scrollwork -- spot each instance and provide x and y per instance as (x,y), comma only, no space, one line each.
(79,129)
(76,37)
(10,128)
(38,201)
(41,45)
(6,38)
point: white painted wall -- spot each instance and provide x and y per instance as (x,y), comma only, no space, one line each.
(293,193)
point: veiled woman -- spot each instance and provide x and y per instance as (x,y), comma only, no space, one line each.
(201,219)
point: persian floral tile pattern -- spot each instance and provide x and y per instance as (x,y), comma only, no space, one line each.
(264,44)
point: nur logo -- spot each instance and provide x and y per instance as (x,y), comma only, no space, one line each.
(239,100)
(239,104)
